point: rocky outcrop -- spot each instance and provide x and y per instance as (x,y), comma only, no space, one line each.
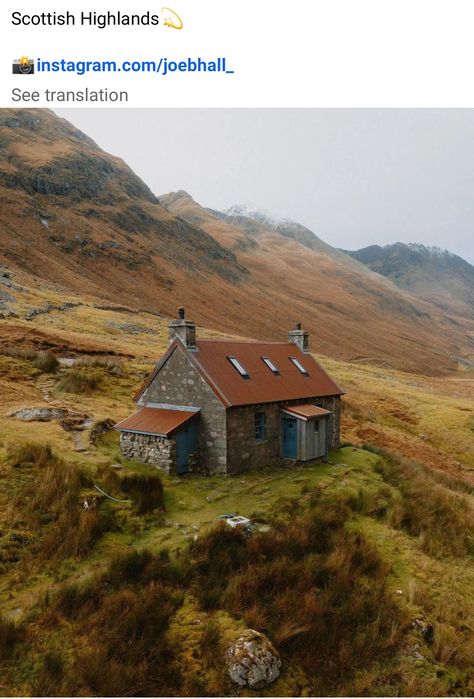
(69,420)
(252,661)
(42,414)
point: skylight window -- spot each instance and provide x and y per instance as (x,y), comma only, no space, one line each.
(237,365)
(270,365)
(299,366)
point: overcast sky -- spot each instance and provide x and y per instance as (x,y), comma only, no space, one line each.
(354,177)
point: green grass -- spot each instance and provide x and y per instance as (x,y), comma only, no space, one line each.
(360,565)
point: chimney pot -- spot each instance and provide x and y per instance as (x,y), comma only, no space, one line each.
(181,312)
(298,326)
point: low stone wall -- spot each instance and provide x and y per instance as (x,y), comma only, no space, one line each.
(149,449)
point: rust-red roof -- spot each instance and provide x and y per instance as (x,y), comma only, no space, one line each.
(161,421)
(307,411)
(211,360)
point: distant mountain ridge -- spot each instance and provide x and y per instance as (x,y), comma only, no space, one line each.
(349,303)
(430,272)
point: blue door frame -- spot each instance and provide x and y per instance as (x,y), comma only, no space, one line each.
(289,447)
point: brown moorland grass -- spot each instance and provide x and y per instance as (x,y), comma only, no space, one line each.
(430,507)
(44,360)
(317,588)
(80,381)
(50,500)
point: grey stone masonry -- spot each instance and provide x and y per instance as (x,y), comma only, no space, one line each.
(179,383)
(149,449)
(245,453)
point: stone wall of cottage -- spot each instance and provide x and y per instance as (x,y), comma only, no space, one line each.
(149,449)
(179,383)
(245,453)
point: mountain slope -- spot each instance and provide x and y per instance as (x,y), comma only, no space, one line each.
(94,226)
(438,275)
(352,311)
(76,219)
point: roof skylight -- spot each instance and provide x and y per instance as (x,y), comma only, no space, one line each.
(299,366)
(270,365)
(237,365)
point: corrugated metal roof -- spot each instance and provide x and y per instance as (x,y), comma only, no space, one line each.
(307,411)
(211,360)
(161,421)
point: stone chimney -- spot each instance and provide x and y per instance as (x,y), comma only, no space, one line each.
(183,329)
(299,337)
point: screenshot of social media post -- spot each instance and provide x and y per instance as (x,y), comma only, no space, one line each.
(237,349)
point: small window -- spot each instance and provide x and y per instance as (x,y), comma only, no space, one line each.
(299,366)
(270,365)
(259,427)
(316,425)
(237,365)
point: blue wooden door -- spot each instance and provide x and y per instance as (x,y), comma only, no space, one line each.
(290,438)
(182,450)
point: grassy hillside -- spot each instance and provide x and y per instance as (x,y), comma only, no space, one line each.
(98,232)
(360,572)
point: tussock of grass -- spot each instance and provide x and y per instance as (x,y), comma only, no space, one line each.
(44,360)
(145,490)
(30,453)
(121,618)
(9,635)
(442,518)
(109,365)
(51,502)
(316,588)
(80,381)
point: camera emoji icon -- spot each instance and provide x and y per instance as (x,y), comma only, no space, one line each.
(23,66)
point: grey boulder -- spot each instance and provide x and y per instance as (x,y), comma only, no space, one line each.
(252,660)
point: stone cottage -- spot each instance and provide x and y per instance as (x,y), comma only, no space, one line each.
(227,406)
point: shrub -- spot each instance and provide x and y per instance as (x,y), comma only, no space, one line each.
(44,360)
(109,365)
(442,519)
(145,490)
(30,453)
(121,617)
(51,500)
(9,635)
(317,588)
(80,381)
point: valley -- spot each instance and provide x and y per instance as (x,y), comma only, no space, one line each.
(359,570)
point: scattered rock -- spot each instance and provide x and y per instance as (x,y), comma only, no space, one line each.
(426,629)
(68,361)
(130,328)
(116,466)
(399,592)
(38,414)
(253,661)
(50,308)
